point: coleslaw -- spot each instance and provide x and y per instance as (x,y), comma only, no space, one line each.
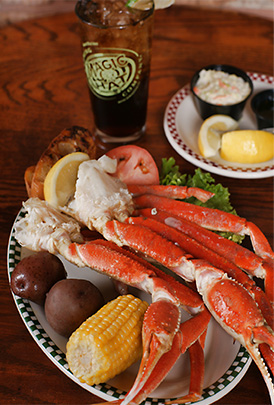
(221,88)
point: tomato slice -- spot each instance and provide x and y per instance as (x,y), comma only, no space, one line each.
(135,165)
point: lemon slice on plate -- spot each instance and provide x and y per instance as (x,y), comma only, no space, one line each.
(247,146)
(209,138)
(147,4)
(59,185)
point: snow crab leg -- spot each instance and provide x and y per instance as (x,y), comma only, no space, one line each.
(209,218)
(195,240)
(259,264)
(174,192)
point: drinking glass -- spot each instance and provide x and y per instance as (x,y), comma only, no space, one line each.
(116,45)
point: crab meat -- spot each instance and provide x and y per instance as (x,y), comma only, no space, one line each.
(44,224)
(99,197)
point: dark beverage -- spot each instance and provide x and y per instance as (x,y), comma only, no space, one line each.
(116,54)
(121,119)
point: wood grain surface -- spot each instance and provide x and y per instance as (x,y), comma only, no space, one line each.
(43,90)
(12,11)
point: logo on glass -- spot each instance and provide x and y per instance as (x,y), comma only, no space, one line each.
(112,72)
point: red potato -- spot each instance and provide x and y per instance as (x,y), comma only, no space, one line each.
(70,302)
(135,165)
(34,275)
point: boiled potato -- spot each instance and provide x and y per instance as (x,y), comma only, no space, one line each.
(70,302)
(34,275)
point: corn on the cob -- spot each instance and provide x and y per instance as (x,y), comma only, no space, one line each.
(108,342)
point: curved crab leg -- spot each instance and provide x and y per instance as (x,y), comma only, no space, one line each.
(210,218)
(193,219)
(233,252)
(228,303)
(180,192)
(157,376)
(196,355)
(157,221)
(197,368)
(240,327)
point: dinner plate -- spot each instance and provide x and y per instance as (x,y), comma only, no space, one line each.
(182,123)
(226,361)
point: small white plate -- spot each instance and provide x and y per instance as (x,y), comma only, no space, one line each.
(226,362)
(182,123)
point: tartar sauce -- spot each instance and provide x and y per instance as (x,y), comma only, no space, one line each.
(220,88)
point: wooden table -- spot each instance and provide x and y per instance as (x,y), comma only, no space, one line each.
(43,90)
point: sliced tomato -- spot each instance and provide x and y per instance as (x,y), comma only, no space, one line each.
(135,165)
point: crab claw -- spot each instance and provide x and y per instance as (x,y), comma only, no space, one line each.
(165,363)
(161,324)
(236,311)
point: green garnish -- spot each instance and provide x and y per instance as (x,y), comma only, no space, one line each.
(170,175)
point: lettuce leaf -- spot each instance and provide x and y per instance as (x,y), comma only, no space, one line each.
(170,175)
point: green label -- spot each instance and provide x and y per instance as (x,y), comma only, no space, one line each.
(111,72)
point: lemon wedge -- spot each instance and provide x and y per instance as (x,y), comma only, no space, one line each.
(147,4)
(163,4)
(247,146)
(209,138)
(59,185)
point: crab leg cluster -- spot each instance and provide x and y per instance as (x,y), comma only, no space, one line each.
(259,264)
(178,235)
(153,236)
(199,243)
(191,222)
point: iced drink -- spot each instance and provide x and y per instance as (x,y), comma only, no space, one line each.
(116,42)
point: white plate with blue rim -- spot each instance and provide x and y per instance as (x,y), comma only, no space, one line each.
(182,123)
(226,361)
